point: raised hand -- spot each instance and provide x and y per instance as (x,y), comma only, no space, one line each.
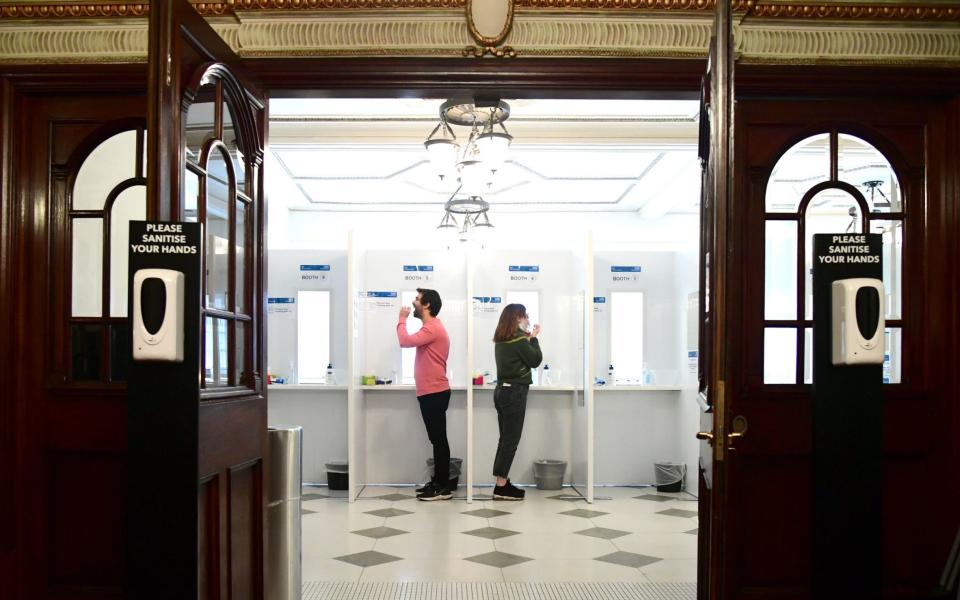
(404,312)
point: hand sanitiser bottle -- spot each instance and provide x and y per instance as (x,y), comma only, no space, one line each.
(331,375)
(610,376)
(647,375)
(546,379)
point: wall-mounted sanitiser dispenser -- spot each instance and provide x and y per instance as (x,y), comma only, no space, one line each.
(857,321)
(158,315)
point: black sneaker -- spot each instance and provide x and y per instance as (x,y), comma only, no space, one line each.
(434,492)
(426,486)
(508,492)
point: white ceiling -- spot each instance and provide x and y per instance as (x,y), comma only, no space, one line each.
(362,155)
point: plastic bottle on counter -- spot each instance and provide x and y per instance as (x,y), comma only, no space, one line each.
(331,375)
(648,378)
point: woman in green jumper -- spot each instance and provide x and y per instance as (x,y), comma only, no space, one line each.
(517,353)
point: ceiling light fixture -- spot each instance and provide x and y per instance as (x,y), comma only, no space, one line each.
(475,163)
(874,187)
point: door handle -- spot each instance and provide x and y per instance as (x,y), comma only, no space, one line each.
(739,429)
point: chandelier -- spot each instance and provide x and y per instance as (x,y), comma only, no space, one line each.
(874,187)
(474,163)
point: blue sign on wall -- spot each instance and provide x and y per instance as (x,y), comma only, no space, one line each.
(314,267)
(381,294)
(625,269)
(416,268)
(599,299)
(524,268)
(280,300)
(488,299)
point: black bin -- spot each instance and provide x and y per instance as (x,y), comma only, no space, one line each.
(669,476)
(338,475)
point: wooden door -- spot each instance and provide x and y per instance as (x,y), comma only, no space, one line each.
(717,438)
(205,446)
(795,152)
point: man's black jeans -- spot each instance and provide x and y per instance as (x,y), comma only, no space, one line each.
(433,407)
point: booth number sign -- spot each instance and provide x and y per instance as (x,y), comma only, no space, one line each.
(314,272)
(418,272)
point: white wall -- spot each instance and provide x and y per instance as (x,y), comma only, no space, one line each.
(383,271)
(556,281)
(687,332)
(284,280)
(634,429)
(396,443)
(323,416)
(656,280)
(546,434)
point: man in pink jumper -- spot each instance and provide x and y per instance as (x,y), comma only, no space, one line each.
(433,389)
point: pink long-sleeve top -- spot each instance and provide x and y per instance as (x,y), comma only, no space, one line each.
(433,348)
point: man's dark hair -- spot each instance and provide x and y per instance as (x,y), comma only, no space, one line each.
(432,299)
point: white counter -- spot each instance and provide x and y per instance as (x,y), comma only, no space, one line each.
(319,387)
(313,387)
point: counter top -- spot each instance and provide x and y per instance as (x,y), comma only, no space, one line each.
(462,388)
(319,387)
(637,388)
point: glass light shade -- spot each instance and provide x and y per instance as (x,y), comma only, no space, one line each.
(493,148)
(442,154)
(448,221)
(474,177)
(482,220)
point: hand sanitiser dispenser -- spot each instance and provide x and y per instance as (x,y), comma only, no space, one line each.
(857,321)
(158,315)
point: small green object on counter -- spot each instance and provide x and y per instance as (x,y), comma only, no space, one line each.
(368,380)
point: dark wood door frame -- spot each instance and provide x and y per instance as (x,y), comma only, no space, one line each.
(939,89)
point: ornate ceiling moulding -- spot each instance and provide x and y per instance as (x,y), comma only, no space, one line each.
(489,22)
(931,10)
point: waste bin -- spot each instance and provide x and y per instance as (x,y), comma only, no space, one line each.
(456,467)
(548,473)
(338,475)
(669,476)
(283,512)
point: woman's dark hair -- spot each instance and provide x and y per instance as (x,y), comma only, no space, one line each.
(432,299)
(509,318)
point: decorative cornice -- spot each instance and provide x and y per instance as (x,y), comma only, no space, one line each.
(791,44)
(542,33)
(442,35)
(857,12)
(116,42)
(888,10)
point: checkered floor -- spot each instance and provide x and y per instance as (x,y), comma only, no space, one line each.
(638,536)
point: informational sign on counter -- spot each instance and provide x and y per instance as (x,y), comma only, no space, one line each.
(693,332)
(314,272)
(625,274)
(486,304)
(418,272)
(523,272)
(277,306)
(380,301)
(599,304)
